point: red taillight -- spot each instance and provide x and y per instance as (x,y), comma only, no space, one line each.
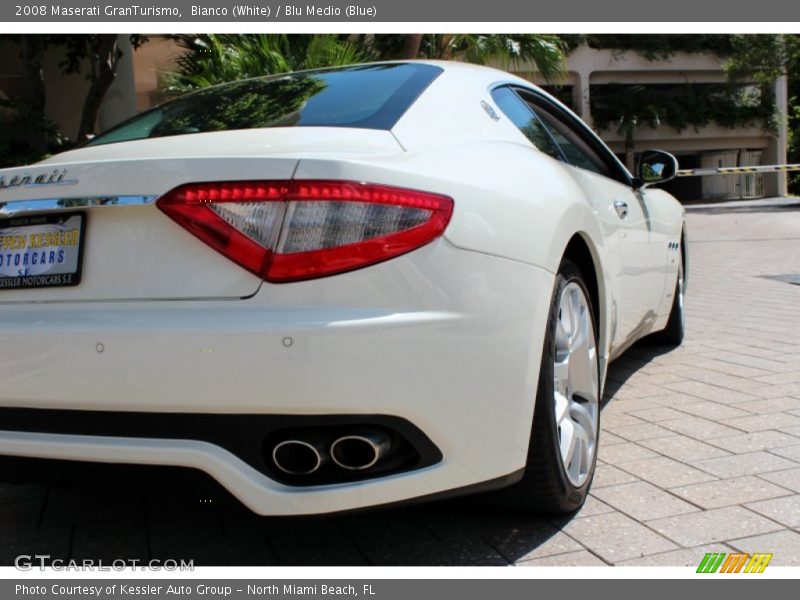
(293,230)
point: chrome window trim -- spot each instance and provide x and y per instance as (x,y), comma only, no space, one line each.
(15,207)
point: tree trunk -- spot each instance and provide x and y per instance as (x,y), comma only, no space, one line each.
(630,156)
(411,46)
(444,50)
(104,59)
(32,51)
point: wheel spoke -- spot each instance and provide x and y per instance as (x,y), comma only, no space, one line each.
(562,407)
(561,370)
(562,339)
(581,457)
(583,376)
(574,302)
(567,441)
(584,417)
(566,323)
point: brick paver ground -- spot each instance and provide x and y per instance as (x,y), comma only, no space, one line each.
(700,452)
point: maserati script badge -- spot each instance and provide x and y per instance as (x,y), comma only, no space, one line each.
(55,177)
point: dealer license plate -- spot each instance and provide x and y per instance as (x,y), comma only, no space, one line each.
(41,251)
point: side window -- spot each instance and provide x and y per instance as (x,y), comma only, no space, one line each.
(519,113)
(575,150)
(578,149)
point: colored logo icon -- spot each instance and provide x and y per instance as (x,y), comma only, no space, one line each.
(721,562)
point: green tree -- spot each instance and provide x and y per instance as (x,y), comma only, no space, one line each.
(656,46)
(545,52)
(764,58)
(210,59)
(242,104)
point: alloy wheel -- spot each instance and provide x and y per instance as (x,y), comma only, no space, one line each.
(576,384)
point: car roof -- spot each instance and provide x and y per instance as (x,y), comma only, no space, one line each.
(455,68)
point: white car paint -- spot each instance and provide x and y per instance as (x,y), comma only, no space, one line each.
(448,336)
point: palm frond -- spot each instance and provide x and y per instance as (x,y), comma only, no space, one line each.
(210,59)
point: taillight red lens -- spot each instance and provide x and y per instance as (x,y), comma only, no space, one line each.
(293,230)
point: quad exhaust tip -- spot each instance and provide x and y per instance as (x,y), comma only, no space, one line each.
(359,452)
(296,457)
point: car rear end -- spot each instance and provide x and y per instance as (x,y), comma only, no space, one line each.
(243,303)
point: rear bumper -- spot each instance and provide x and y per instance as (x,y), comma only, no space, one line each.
(446,339)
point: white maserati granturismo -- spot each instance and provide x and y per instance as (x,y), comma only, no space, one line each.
(336,289)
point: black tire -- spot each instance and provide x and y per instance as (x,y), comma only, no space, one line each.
(545,487)
(672,334)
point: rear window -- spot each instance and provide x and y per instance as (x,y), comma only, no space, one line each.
(368,97)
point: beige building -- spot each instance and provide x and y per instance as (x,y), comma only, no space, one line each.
(709,146)
(136,89)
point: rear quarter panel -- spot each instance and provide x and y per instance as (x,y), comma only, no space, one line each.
(510,201)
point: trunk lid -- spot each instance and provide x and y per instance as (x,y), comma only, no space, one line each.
(130,249)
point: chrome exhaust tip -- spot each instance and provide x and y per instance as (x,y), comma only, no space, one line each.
(296,457)
(359,452)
